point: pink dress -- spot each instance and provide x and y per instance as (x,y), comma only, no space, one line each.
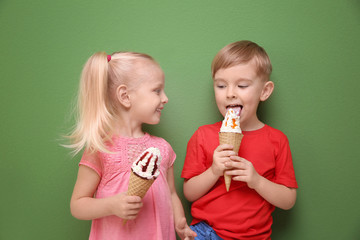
(155,220)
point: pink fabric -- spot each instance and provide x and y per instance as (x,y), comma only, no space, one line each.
(155,220)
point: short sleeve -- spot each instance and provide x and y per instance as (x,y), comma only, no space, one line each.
(172,156)
(92,161)
(284,171)
(195,157)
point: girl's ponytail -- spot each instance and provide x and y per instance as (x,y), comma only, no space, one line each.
(94,116)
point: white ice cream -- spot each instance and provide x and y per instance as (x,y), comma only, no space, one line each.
(231,122)
(147,164)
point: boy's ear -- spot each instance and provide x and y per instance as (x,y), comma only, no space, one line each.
(267,91)
(122,94)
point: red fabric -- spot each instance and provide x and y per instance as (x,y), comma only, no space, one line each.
(240,213)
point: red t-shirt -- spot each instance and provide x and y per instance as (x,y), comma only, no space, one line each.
(240,213)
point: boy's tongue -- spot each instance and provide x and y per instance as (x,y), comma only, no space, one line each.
(237,109)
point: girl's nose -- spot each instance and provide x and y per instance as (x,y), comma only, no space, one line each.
(164,99)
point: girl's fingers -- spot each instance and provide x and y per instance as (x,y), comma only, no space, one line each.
(133,199)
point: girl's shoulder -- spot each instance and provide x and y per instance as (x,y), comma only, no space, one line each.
(159,142)
(157,139)
(167,152)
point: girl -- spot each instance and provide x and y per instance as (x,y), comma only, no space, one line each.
(117,94)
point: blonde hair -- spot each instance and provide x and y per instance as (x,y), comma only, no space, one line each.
(242,52)
(96,107)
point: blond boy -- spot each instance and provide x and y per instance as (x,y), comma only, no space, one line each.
(262,173)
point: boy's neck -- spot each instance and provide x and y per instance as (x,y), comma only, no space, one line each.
(252,126)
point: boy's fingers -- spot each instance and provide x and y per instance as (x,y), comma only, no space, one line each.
(223,147)
(237,158)
(238,164)
(228,153)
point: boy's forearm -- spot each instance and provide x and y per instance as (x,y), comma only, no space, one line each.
(197,186)
(278,195)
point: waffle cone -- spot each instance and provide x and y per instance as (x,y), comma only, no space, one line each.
(233,139)
(138,186)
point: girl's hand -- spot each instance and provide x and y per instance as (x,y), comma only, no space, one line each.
(184,231)
(126,207)
(243,170)
(221,155)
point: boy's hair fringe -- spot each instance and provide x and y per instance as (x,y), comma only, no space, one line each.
(96,111)
(241,52)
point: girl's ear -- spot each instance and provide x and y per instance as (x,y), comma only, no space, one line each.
(267,91)
(122,93)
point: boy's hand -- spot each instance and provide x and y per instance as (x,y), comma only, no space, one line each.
(126,207)
(243,170)
(221,155)
(184,231)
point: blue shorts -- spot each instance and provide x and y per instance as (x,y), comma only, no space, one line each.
(204,232)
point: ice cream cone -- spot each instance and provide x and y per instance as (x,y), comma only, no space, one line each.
(138,186)
(233,139)
(143,173)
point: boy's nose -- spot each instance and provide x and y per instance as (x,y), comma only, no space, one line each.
(230,93)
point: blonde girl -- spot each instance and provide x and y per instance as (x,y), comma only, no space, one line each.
(117,94)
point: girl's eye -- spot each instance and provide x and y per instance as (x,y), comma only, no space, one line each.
(158,91)
(243,86)
(220,86)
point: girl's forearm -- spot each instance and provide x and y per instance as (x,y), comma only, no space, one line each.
(178,209)
(198,186)
(88,208)
(278,195)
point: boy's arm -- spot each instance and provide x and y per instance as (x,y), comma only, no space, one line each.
(278,195)
(198,186)
(181,226)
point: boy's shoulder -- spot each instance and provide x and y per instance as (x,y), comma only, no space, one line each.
(266,131)
(210,127)
(275,133)
(206,132)
(273,130)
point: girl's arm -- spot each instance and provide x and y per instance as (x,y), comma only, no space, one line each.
(84,206)
(278,195)
(182,229)
(198,186)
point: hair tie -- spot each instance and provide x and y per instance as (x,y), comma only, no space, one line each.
(108,58)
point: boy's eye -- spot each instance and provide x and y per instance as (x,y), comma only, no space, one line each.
(220,86)
(242,86)
(157,91)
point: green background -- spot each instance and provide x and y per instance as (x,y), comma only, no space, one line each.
(314,48)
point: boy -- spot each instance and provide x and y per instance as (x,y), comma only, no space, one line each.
(262,174)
